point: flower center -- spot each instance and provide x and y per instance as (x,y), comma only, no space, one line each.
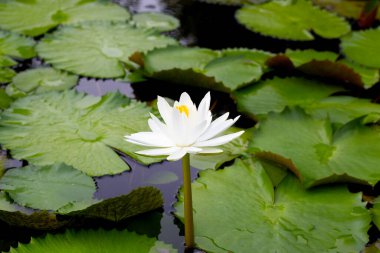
(183,108)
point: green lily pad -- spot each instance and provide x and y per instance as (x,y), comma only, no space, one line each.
(100,49)
(6,75)
(342,109)
(362,47)
(47,187)
(273,95)
(116,209)
(77,129)
(259,56)
(237,209)
(375,210)
(95,241)
(326,65)
(16,46)
(39,80)
(235,148)
(5,100)
(38,16)
(158,21)
(319,153)
(292,20)
(218,70)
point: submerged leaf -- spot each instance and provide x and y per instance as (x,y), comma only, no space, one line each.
(38,16)
(95,241)
(98,49)
(76,129)
(237,209)
(158,21)
(317,153)
(363,47)
(292,20)
(275,94)
(47,187)
(39,80)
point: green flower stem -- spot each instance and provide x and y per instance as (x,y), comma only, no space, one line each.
(189,224)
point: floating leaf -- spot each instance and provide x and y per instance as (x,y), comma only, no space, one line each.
(342,109)
(376,212)
(293,20)
(41,80)
(325,64)
(116,209)
(363,47)
(5,100)
(16,46)
(94,241)
(237,209)
(159,21)
(6,75)
(76,129)
(273,95)
(256,55)
(318,154)
(98,49)
(47,187)
(236,148)
(38,16)
(224,71)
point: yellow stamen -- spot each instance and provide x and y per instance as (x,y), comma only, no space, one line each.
(183,108)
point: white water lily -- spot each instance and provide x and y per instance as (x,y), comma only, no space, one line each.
(186,129)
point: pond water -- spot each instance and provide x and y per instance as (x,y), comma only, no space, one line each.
(204,25)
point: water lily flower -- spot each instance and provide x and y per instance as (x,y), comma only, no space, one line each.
(186,129)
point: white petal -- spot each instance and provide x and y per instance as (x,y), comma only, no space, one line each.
(185,99)
(193,150)
(157,126)
(165,110)
(158,151)
(204,106)
(219,140)
(177,155)
(218,128)
(211,151)
(149,139)
(213,127)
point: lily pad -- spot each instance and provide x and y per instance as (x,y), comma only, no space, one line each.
(292,20)
(77,129)
(116,209)
(99,49)
(319,153)
(95,241)
(5,100)
(16,46)
(6,75)
(47,187)
(158,21)
(326,65)
(236,148)
(237,209)
(218,70)
(274,94)
(376,212)
(39,80)
(362,47)
(38,16)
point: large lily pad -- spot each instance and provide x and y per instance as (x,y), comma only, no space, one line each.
(16,46)
(219,70)
(237,209)
(362,47)
(6,75)
(100,49)
(95,241)
(47,187)
(5,100)
(292,20)
(318,154)
(326,65)
(155,20)
(38,16)
(274,94)
(39,80)
(76,129)
(236,148)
